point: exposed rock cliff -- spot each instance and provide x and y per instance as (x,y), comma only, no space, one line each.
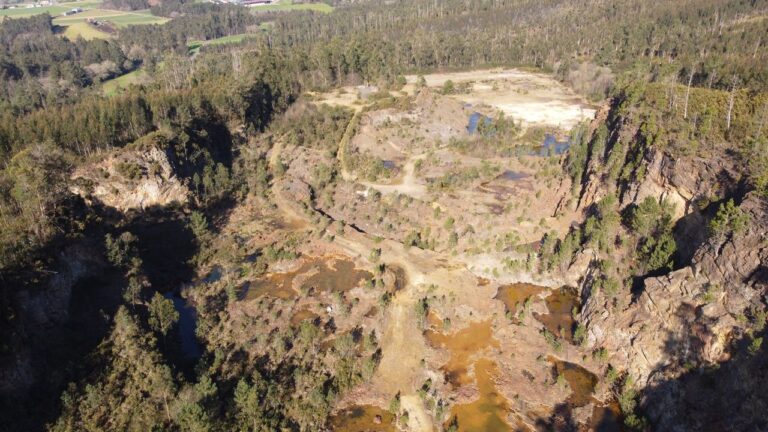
(690,316)
(132,179)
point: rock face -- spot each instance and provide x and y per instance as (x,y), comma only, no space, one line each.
(132,179)
(681,181)
(687,316)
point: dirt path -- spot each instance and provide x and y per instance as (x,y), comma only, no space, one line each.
(293,217)
(402,353)
(400,368)
(274,156)
(345,139)
(407,185)
(418,419)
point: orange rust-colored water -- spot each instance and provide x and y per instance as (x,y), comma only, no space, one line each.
(489,412)
(514,295)
(325,275)
(581,381)
(462,345)
(606,418)
(363,418)
(559,320)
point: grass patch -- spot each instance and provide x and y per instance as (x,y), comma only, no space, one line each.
(287,5)
(195,45)
(85,31)
(24,12)
(117,18)
(117,85)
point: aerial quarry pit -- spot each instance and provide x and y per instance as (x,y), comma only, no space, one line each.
(383,216)
(484,361)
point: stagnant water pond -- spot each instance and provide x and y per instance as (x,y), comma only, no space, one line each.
(324,275)
(190,347)
(359,418)
(560,304)
(489,411)
(462,345)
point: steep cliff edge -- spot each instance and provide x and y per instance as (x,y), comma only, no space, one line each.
(696,310)
(690,315)
(136,178)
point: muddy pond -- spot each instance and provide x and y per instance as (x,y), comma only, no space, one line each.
(581,381)
(314,275)
(367,418)
(560,304)
(462,345)
(515,295)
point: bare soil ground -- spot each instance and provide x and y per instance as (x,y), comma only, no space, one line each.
(534,98)
(495,215)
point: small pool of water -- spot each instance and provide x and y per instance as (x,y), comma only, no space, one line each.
(214,275)
(489,412)
(514,295)
(510,175)
(401,279)
(581,381)
(388,164)
(359,418)
(606,418)
(552,146)
(462,345)
(190,347)
(474,120)
(559,320)
(325,275)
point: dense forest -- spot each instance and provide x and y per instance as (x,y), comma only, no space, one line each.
(203,108)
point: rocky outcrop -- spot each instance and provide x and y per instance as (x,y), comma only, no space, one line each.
(690,315)
(132,179)
(680,181)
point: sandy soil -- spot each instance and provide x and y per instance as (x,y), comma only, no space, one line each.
(535,99)
(407,184)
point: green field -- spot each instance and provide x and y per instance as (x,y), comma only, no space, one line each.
(195,45)
(117,85)
(85,31)
(76,24)
(118,18)
(287,5)
(23,12)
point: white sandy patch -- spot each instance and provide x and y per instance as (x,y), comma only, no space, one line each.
(531,98)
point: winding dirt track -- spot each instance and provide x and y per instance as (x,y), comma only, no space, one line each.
(407,185)
(402,352)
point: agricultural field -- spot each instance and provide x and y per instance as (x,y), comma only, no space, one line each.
(117,18)
(85,31)
(22,12)
(77,25)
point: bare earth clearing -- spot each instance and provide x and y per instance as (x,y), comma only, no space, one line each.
(534,98)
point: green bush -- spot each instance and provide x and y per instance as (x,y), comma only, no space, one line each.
(729,219)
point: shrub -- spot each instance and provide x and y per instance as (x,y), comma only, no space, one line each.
(729,219)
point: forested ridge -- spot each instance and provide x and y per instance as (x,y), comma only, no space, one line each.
(206,109)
